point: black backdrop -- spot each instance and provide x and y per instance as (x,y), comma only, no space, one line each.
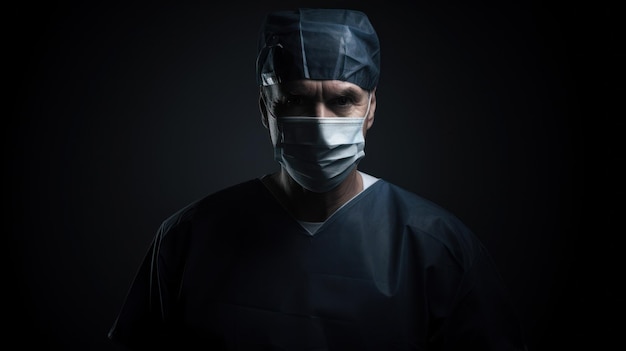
(122,112)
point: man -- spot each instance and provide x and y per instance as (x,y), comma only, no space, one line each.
(319,255)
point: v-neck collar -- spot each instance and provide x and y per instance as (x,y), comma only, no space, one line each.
(343,208)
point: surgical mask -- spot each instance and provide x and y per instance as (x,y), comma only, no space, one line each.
(318,152)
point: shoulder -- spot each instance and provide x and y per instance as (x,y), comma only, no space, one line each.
(225,202)
(432,225)
(421,212)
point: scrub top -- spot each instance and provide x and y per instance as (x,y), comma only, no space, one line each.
(389,270)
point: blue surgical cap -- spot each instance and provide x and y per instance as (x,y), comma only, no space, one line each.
(327,44)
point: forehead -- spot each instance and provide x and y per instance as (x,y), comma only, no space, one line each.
(310,87)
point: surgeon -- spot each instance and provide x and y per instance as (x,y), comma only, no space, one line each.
(319,255)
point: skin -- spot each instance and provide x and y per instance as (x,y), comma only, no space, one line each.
(315,98)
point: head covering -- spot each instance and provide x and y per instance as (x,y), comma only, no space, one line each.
(334,44)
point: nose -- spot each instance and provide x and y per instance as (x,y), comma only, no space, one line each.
(321,110)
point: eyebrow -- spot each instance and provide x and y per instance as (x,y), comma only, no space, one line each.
(346,91)
(349,91)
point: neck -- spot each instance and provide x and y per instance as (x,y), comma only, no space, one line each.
(309,206)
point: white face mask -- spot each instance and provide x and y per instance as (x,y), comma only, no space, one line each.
(318,152)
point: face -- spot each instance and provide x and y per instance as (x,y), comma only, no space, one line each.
(318,98)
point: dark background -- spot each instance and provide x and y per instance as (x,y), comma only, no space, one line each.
(123,112)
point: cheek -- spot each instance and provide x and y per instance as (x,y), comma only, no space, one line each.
(367,124)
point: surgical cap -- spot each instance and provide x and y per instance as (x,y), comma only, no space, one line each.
(327,44)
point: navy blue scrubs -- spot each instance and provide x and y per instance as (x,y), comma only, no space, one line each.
(388,271)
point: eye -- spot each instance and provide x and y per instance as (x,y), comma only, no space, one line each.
(291,105)
(294,100)
(343,101)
